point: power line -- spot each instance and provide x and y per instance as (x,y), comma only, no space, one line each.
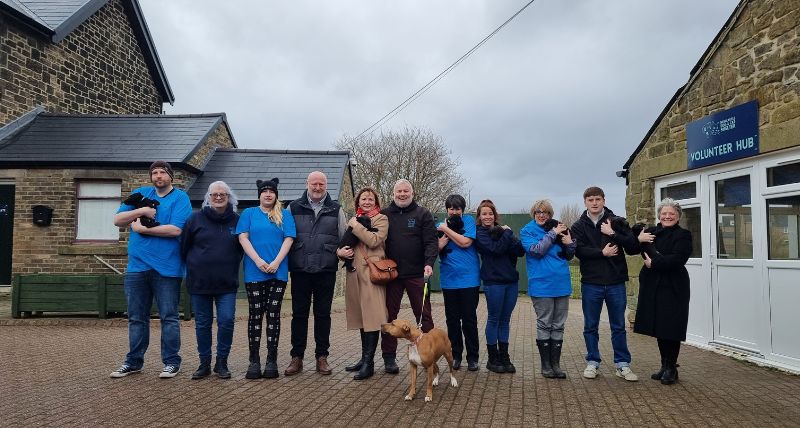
(395,111)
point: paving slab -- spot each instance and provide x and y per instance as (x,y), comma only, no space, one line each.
(54,372)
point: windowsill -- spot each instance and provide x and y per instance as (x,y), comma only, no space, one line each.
(90,248)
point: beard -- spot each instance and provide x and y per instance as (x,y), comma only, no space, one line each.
(403,204)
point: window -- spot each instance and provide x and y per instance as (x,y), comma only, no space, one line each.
(734,219)
(783,174)
(782,230)
(680,191)
(97,204)
(690,220)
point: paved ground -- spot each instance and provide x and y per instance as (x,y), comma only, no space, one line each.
(54,371)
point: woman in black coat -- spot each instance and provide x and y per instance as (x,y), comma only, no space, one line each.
(663,308)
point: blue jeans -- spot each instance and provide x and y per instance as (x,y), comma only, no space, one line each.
(203,305)
(592,303)
(500,302)
(140,288)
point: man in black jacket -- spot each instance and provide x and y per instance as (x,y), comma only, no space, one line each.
(603,275)
(413,245)
(320,223)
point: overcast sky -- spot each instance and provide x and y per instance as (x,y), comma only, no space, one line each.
(553,103)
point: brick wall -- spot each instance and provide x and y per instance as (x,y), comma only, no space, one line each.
(758,60)
(98,68)
(52,249)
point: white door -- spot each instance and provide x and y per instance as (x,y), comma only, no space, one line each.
(735,283)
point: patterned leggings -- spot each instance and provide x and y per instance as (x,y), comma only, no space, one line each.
(264,297)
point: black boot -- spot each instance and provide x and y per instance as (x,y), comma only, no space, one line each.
(494,364)
(670,374)
(555,358)
(389,364)
(357,366)
(368,366)
(204,370)
(254,369)
(544,353)
(657,375)
(271,365)
(505,360)
(221,368)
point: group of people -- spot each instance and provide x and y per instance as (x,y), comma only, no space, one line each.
(302,241)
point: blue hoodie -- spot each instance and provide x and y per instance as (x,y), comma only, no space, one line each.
(548,274)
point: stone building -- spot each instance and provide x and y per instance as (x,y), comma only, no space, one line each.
(81,96)
(726,146)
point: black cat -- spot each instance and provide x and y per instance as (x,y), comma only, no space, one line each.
(351,240)
(137,200)
(456,224)
(548,226)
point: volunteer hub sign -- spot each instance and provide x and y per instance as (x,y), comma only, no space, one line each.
(723,136)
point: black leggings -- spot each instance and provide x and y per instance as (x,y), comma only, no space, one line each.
(669,350)
(264,297)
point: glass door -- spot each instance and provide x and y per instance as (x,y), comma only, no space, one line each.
(735,282)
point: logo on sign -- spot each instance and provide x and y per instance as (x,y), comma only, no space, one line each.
(723,137)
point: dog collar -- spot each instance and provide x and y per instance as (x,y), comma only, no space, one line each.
(416,341)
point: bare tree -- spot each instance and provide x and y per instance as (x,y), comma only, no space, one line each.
(416,154)
(569,214)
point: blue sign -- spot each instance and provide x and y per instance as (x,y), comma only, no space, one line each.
(724,136)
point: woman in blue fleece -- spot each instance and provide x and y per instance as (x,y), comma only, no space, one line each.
(211,249)
(499,250)
(549,283)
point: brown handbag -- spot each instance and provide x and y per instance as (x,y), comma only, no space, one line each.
(381,272)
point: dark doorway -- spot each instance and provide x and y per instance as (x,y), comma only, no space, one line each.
(6,231)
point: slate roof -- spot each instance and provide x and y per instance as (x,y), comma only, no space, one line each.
(44,139)
(56,19)
(240,168)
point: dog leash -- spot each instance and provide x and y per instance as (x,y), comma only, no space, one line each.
(422,308)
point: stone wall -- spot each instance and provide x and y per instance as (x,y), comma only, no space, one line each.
(759,59)
(98,68)
(53,249)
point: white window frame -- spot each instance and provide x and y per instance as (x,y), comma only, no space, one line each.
(104,229)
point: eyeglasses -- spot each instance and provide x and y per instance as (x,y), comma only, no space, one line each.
(538,212)
(219,195)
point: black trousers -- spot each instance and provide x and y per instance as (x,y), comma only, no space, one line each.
(669,350)
(308,289)
(460,309)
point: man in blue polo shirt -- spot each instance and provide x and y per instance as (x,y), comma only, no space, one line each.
(155,269)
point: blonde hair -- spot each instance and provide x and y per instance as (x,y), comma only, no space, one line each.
(542,205)
(275,213)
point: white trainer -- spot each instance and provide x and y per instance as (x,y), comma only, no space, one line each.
(590,372)
(627,374)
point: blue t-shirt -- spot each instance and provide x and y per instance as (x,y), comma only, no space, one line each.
(461,267)
(146,252)
(267,238)
(548,276)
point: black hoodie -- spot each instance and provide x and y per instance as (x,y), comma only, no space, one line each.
(212,252)
(412,239)
(595,267)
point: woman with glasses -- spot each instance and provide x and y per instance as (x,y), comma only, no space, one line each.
(212,254)
(266,233)
(548,249)
(499,250)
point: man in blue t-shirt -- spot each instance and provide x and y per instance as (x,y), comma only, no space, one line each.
(155,269)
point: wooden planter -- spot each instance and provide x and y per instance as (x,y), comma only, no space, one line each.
(104,294)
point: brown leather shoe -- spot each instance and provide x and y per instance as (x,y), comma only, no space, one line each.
(295,367)
(323,367)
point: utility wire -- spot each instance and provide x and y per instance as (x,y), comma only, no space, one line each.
(395,111)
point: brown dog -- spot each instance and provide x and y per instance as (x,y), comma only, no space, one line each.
(426,349)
